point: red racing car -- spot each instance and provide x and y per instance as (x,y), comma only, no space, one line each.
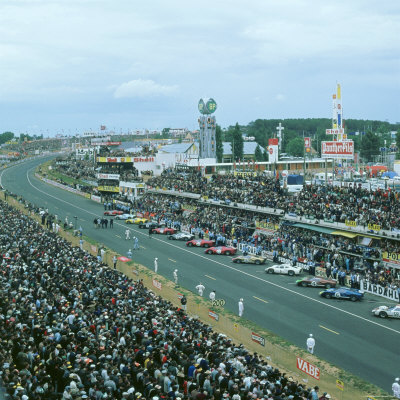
(228,251)
(164,231)
(200,243)
(113,212)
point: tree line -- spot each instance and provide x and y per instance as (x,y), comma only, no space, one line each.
(369,136)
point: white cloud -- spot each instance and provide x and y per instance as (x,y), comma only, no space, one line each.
(280,97)
(143,88)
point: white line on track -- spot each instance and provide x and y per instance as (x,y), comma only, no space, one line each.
(233,268)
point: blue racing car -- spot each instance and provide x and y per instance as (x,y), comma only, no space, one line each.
(342,293)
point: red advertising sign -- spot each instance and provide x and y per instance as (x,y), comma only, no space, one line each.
(273,142)
(307,142)
(143,159)
(308,368)
(157,284)
(255,337)
(213,315)
(343,149)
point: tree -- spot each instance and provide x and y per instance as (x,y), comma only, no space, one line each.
(5,137)
(237,143)
(369,146)
(165,133)
(219,148)
(258,154)
(296,147)
(398,143)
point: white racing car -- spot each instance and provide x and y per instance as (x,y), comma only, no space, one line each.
(125,216)
(387,311)
(286,269)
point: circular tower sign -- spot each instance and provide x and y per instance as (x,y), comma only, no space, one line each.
(207,106)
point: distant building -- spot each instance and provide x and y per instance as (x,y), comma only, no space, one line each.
(178,132)
(249,149)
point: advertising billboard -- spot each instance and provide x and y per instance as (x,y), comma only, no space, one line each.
(340,150)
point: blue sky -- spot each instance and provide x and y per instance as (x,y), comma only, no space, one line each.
(69,65)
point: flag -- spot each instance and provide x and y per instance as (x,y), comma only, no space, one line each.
(102,127)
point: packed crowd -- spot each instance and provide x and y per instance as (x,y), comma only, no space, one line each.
(337,204)
(72,328)
(333,203)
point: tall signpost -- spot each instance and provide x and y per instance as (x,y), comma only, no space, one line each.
(340,148)
(207,124)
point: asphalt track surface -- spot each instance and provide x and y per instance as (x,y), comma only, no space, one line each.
(346,333)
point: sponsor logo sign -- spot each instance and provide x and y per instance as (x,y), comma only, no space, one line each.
(374,227)
(342,149)
(115,159)
(391,258)
(257,338)
(114,189)
(268,226)
(339,131)
(308,368)
(340,384)
(351,223)
(378,290)
(143,159)
(107,176)
(157,284)
(213,315)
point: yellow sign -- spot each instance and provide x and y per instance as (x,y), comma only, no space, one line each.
(351,223)
(374,227)
(236,327)
(114,189)
(340,384)
(267,225)
(115,159)
(393,258)
(189,207)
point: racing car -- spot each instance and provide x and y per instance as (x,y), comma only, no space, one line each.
(125,216)
(200,243)
(315,281)
(342,293)
(249,259)
(149,225)
(387,311)
(164,231)
(287,269)
(221,250)
(137,220)
(113,212)
(181,236)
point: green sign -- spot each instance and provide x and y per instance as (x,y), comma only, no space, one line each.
(202,106)
(207,106)
(211,106)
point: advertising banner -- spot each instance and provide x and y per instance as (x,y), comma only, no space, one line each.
(308,368)
(378,290)
(213,315)
(393,259)
(114,189)
(341,150)
(157,284)
(257,338)
(115,159)
(339,131)
(108,176)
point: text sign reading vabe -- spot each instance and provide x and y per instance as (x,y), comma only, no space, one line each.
(308,368)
